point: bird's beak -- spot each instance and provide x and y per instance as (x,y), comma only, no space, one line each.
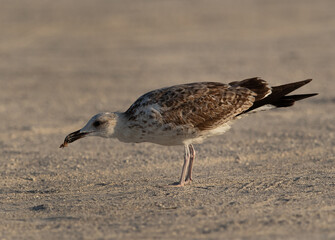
(73,137)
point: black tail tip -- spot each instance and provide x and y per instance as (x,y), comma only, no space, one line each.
(308,80)
(304,82)
(289,100)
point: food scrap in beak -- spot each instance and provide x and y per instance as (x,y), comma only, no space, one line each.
(63,145)
(73,137)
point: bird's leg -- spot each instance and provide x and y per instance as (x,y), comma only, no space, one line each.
(185,166)
(192,157)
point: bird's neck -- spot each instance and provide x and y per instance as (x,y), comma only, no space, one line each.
(122,130)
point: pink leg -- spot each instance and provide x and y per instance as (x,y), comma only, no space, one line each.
(192,157)
(185,167)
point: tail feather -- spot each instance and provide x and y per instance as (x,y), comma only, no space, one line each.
(299,96)
(279,97)
(256,84)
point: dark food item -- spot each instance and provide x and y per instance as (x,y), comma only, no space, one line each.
(63,145)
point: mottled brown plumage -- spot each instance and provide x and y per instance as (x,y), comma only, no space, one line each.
(202,105)
(188,113)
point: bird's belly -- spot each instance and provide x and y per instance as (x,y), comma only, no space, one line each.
(169,135)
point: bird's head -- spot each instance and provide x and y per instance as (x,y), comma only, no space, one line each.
(102,125)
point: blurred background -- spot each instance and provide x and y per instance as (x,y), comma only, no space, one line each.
(63,61)
(101,55)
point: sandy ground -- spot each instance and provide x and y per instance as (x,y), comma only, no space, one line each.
(271,177)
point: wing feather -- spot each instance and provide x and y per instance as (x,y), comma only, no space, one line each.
(203,105)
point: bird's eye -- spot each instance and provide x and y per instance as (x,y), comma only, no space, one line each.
(97,123)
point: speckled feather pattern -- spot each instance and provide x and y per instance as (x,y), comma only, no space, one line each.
(194,110)
(188,113)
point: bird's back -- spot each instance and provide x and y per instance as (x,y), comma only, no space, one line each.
(193,109)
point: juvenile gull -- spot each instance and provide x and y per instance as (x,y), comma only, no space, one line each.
(188,113)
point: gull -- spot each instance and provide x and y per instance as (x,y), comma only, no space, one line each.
(188,113)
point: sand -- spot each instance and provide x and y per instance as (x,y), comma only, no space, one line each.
(271,176)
